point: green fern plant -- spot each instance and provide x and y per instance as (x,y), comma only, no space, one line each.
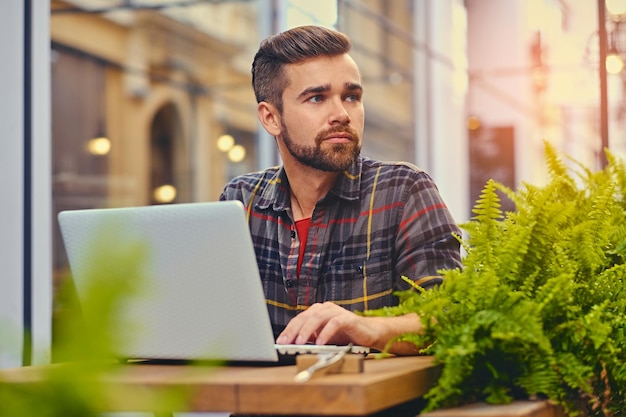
(539,308)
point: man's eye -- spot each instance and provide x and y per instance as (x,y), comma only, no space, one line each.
(353,97)
(316,99)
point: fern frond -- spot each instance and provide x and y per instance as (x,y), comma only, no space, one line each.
(487,208)
(556,167)
(484,227)
(539,308)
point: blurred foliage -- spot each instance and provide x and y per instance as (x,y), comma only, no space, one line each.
(86,338)
(539,308)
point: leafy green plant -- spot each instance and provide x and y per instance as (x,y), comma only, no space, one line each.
(539,308)
(72,386)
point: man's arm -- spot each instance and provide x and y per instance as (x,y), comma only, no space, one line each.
(425,243)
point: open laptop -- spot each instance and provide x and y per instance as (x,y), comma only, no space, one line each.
(200,295)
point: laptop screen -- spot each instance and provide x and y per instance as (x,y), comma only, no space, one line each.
(199,293)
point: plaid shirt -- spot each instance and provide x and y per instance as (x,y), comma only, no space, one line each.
(379,222)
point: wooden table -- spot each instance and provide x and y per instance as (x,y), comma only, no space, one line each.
(384,383)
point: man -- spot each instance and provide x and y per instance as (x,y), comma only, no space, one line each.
(335,232)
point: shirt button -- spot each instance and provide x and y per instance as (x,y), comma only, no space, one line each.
(359,269)
(293,234)
(288,283)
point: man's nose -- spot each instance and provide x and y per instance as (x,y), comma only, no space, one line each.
(338,113)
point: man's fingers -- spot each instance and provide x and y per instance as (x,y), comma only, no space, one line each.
(307,325)
(313,321)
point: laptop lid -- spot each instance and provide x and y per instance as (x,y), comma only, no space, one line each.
(200,295)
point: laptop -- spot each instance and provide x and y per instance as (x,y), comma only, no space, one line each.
(195,291)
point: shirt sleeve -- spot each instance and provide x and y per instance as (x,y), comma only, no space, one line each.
(425,243)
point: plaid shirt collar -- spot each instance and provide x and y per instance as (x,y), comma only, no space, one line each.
(277,195)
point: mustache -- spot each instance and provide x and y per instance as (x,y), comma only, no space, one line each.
(336,129)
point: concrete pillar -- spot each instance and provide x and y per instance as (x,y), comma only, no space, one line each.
(25,207)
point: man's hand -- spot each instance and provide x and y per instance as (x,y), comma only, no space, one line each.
(328,323)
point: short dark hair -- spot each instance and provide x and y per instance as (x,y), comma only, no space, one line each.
(289,47)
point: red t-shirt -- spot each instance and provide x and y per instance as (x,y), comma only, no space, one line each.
(302,227)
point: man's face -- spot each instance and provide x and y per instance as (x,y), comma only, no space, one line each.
(323,118)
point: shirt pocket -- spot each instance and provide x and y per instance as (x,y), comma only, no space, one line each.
(359,285)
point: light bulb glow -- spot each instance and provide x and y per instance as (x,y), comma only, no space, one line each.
(99,146)
(616,7)
(473,123)
(164,194)
(225,143)
(614,64)
(237,153)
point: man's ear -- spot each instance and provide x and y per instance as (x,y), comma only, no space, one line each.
(269,118)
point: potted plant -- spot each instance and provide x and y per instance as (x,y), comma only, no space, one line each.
(539,308)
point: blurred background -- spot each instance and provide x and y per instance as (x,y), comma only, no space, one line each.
(151,102)
(151,99)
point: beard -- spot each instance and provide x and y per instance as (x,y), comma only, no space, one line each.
(334,157)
